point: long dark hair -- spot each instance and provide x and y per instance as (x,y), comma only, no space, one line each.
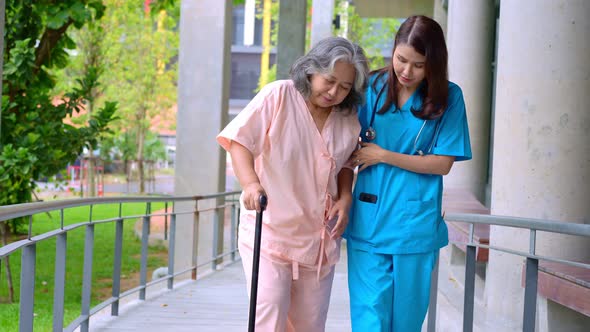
(427,38)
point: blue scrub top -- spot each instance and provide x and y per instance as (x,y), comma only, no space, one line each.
(406,218)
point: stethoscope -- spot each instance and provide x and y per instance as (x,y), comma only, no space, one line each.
(371,134)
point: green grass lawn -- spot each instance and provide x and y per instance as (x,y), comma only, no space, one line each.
(102,264)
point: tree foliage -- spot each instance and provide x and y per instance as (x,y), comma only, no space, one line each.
(34,139)
(141,45)
(138,48)
(373,34)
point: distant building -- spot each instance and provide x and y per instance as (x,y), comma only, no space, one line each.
(245,60)
(245,71)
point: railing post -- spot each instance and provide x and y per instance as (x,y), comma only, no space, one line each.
(166,221)
(116,289)
(220,212)
(59,283)
(60,276)
(87,277)
(218,231)
(530,295)
(233,232)
(530,288)
(215,249)
(469,289)
(27,288)
(469,283)
(431,327)
(30,230)
(171,249)
(144,252)
(196,217)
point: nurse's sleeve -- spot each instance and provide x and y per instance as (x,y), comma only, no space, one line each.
(251,125)
(362,111)
(453,132)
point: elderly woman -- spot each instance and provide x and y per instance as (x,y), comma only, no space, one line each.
(292,143)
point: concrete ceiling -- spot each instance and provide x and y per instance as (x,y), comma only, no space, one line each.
(394,8)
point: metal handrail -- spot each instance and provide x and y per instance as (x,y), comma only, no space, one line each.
(552,226)
(28,248)
(8,212)
(532,261)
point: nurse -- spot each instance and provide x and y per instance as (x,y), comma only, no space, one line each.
(414,128)
(292,143)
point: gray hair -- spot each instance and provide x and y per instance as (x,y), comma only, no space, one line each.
(321,60)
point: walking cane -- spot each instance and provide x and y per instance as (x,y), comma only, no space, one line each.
(255,264)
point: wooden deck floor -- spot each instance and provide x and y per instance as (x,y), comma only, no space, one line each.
(217,302)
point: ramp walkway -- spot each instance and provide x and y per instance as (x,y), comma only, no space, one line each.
(216,302)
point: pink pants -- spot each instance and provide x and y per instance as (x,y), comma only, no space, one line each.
(284,304)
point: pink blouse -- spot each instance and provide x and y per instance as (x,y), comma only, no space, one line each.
(298,168)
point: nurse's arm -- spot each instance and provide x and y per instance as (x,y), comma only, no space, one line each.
(371,154)
(243,165)
(428,164)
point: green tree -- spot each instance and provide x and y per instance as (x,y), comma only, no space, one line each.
(141,45)
(373,34)
(123,147)
(87,60)
(35,141)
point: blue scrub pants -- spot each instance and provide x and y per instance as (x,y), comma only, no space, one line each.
(389,293)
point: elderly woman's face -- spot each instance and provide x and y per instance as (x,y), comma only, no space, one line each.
(328,90)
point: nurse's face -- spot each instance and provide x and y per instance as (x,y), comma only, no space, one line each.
(409,66)
(330,89)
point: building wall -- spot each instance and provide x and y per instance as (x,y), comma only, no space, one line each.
(245,59)
(245,71)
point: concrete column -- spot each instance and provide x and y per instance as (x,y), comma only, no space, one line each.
(249,20)
(440,13)
(203,90)
(322,15)
(470,39)
(541,133)
(291,35)
(344,27)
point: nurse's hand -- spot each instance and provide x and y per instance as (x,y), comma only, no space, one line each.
(251,196)
(368,155)
(340,209)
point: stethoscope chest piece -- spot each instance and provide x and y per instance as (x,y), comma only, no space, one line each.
(370,134)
